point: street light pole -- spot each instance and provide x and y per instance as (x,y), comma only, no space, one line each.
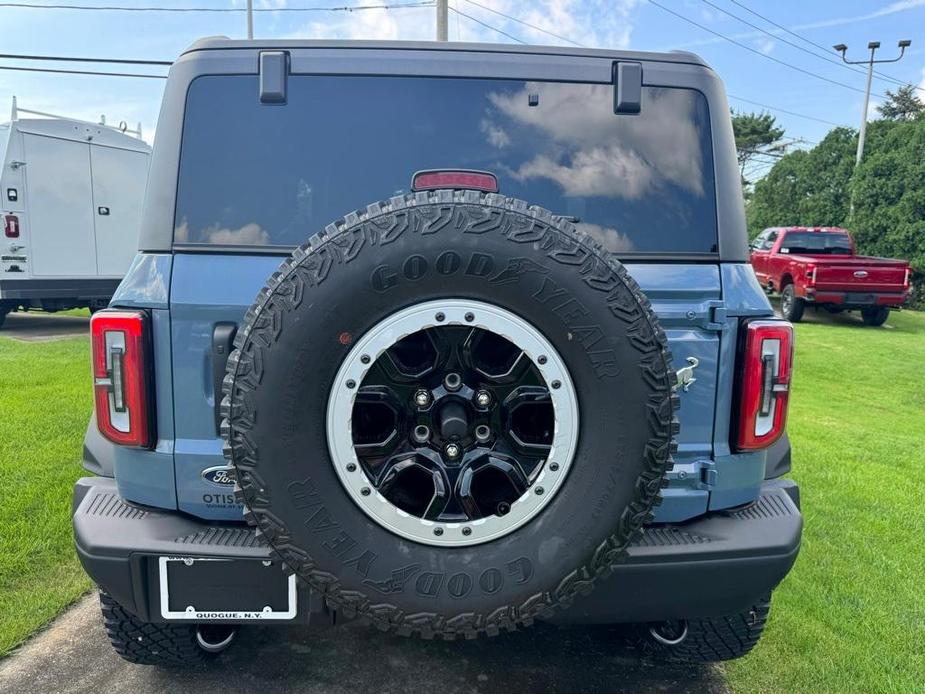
(442,20)
(250,19)
(872,46)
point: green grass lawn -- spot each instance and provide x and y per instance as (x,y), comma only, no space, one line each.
(45,401)
(851,615)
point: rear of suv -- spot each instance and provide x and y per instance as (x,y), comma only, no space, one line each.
(448,338)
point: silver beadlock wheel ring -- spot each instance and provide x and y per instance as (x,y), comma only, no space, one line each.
(544,481)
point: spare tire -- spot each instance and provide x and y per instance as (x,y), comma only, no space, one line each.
(449,413)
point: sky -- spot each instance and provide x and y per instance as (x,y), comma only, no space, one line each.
(749,70)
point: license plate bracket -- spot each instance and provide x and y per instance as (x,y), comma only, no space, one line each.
(212,589)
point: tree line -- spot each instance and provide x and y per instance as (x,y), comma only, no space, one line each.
(882,201)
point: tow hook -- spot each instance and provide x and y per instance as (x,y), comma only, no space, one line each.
(685,376)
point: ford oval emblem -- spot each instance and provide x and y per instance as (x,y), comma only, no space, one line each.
(220,476)
(861,274)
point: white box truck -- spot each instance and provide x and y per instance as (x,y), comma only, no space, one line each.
(71,193)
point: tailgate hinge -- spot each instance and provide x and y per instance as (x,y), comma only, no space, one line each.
(716,315)
(707,473)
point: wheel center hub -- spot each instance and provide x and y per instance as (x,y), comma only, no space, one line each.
(454,421)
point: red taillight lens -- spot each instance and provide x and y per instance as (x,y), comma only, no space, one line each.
(11,226)
(811,275)
(474,180)
(764,389)
(121,366)
(907,280)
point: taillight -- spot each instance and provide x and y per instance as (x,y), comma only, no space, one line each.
(474,180)
(121,367)
(764,387)
(811,275)
(11,226)
(907,280)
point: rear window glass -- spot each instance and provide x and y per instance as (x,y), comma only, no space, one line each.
(816,242)
(259,174)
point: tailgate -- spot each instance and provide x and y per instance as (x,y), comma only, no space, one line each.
(861,275)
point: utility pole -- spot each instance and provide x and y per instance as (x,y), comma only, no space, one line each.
(872,46)
(250,19)
(442,20)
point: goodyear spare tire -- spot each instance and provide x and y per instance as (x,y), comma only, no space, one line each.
(449,413)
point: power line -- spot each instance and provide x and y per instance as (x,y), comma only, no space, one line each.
(776,37)
(770,21)
(789,113)
(214,10)
(526,23)
(82,72)
(487,26)
(121,61)
(810,73)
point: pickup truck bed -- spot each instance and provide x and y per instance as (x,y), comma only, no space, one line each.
(819,266)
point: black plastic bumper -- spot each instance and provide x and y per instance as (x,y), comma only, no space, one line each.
(715,565)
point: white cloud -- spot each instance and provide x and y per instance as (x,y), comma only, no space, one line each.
(496,135)
(247,235)
(892,8)
(608,237)
(628,157)
(765,45)
(601,23)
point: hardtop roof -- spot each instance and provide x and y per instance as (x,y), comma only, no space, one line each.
(224,43)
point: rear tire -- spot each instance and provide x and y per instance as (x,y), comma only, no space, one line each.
(875,316)
(147,643)
(791,306)
(708,640)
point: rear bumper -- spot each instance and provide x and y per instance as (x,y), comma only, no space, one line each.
(87,289)
(853,300)
(717,564)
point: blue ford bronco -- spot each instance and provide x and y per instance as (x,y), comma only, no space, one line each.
(450,338)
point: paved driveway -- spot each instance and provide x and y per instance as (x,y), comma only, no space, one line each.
(74,656)
(41,327)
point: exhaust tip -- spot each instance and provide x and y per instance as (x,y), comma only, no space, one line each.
(669,633)
(215,638)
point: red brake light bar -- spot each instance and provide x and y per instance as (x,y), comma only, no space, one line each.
(474,180)
(764,392)
(11,226)
(121,364)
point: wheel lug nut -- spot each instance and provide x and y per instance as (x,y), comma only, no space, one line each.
(421,433)
(422,398)
(483,398)
(452,382)
(452,450)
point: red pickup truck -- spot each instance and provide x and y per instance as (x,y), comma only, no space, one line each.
(818,266)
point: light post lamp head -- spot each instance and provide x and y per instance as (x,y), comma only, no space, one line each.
(841,48)
(873,45)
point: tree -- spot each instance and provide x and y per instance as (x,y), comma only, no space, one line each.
(757,139)
(815,187)
(904,105)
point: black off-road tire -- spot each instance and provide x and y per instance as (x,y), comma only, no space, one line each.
(791,306)
(145,643)
(424,247)
(714,639)
(875,316)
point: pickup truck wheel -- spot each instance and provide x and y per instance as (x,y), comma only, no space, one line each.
(3,313)
(450,413)
(875,316)
(146,643)
(707,640)
(791,306)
